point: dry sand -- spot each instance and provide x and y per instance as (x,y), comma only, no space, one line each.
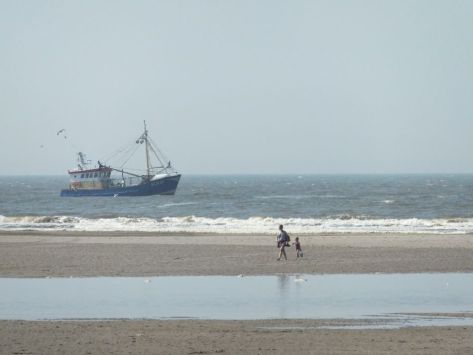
(118,254)
(115,254)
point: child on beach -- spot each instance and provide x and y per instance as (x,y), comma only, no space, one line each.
(297,244)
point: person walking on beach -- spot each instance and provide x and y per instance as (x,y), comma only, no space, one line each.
(283,241)
(297,244)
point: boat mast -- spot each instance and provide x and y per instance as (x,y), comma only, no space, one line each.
(145,136)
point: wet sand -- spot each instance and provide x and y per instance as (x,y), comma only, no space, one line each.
(36,254)
(224,337)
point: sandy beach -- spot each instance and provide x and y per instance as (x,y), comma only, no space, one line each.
(37,254)
(60,254)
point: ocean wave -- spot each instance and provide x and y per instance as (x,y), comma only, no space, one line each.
(298,197)
(388,202)
(253,225)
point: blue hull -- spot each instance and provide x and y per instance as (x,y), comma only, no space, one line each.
(165,186)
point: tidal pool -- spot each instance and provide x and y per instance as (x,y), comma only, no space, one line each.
(347,296)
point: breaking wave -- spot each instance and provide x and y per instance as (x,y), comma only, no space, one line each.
(253,225)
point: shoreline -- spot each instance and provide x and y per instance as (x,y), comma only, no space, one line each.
(90,254)
(123,233)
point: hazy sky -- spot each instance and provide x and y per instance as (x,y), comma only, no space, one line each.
(240,86)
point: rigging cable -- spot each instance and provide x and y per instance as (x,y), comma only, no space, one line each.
(130,156)
(122,150)
(159,154)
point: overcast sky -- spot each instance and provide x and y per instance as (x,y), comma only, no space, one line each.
(240,86)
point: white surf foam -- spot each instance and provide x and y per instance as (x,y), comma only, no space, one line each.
(253,225)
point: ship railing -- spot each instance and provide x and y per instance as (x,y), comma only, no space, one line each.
(126,181)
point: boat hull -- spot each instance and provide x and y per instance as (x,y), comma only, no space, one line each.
(163,186)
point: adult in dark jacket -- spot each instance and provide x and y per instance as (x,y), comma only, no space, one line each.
(283,240)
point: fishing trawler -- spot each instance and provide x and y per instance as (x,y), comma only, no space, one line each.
(105,180)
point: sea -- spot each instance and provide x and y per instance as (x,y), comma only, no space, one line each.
(250,204)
